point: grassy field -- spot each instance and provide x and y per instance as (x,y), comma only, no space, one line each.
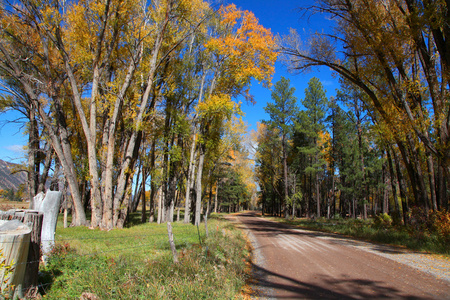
(7,205)
(136,263)
(403,236)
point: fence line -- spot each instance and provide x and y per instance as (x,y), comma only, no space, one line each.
(187,240)
(97,238)
(179,241)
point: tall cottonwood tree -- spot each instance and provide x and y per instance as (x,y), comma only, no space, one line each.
(240,49)
(102,69)
(31,60)
(40,154)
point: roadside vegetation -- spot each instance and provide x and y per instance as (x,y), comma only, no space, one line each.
(429,232)
(136,263)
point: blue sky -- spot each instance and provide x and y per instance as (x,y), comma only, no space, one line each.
(279,16)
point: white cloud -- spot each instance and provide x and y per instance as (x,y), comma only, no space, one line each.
(327,82)
(15,148)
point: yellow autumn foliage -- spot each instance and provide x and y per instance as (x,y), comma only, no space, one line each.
(248,47)
(217,104)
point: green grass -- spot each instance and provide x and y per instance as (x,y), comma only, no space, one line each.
(366,230)
(136,263)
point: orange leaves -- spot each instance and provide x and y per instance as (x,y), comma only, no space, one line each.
(230,15)
(246,47)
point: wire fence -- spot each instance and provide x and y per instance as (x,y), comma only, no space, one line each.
(151,244)
(142,237)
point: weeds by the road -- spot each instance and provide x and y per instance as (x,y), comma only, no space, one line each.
(136,263)
(379,232)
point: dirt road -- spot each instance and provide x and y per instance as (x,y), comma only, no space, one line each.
(301,264)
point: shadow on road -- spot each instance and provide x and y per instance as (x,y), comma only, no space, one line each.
(271,228)
(337,285)
(336,288)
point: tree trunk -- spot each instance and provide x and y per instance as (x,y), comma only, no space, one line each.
(402,187)
(58,136)
(443,196)
(192,155)
(385,203)
(285,176)
(423,196)
(160,205)
(172,243)
(169,202)
(33,148)
(190,179)
(216,197)
(333,194)
(318,194)
(198,185)
(432,183)
(144,204)
(394,186)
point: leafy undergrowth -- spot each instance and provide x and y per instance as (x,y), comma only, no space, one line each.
(379,231)
(85,262)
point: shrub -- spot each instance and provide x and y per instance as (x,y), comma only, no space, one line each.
(382,221)
(6,270)
(397,219)
(337,217)
(440,224)
(418,219)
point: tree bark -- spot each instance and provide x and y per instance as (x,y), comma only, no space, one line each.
(216,198)
(285,176)
(393,185)
(160,214)
(172,243)
(198,185)
(144,204)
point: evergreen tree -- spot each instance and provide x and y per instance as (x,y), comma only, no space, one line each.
(282,115)
(311,124)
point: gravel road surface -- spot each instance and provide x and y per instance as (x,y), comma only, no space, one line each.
(300,264)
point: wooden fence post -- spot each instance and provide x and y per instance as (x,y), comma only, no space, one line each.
(32,219)
(49,206)
(14,242)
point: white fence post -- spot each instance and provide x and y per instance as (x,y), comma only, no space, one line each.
(49,206)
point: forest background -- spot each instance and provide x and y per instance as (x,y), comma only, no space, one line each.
(159,97)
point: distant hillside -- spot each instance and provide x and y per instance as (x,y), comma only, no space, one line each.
(8,180)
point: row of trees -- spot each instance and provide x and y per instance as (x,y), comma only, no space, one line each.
(323,160)
(387,139)
(121,94)
(11,194)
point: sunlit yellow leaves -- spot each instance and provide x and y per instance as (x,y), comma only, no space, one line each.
(79,36)
(84,27)
(194,8)
(325,146)
(246,46)
(218,104)
(23,42)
